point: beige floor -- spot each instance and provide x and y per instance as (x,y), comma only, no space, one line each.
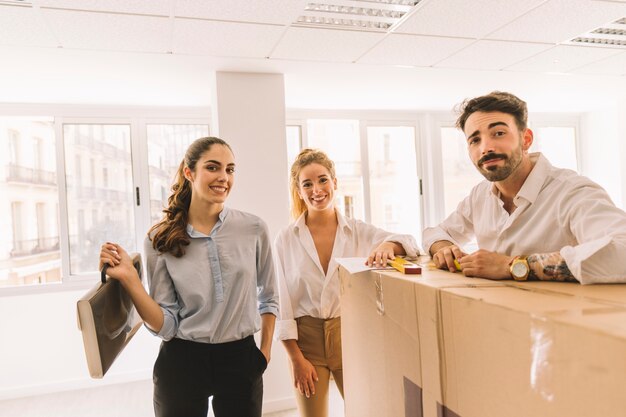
(122,400)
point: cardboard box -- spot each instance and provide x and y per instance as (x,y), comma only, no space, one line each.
(381,354)
(602,293)
(478,348)
(382,361)
(513,352)
(427,293)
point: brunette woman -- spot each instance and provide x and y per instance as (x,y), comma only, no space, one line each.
(212,286)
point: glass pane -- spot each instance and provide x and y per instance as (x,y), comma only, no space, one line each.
(459,174)
(394,184)
(100,198)
(294,143)
(29,214)
(558,144)
(340,140)
(166,148)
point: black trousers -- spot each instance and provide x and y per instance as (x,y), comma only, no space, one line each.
(187,373)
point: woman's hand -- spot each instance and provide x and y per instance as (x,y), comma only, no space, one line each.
(304,376)
(382,253)
(120,265)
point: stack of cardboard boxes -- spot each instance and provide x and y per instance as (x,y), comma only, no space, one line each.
(443,345)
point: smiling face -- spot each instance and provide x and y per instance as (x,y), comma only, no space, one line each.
(213,176)
(316,187)
(496,146)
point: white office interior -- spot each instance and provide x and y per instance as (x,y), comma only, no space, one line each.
(247,70)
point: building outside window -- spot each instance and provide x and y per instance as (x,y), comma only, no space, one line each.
(30,253)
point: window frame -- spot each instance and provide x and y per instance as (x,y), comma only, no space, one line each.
(437,120)
(137,118)
(366,119)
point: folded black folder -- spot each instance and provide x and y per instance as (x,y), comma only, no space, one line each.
(108,320)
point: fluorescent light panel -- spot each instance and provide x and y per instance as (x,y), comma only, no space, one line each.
(375,15)
(609,35)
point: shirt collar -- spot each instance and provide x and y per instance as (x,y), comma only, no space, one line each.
(193,233)
(341,220)
(535,180)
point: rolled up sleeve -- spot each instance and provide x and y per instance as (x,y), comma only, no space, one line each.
(266,275)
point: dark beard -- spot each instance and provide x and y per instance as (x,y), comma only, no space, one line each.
(495,173)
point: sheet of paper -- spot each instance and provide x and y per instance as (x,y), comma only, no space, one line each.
(354,265)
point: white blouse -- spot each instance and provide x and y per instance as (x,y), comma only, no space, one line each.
(304,289)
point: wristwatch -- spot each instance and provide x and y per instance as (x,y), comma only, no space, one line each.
(519,268)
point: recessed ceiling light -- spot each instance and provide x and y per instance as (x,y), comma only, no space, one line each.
(16,3)
(612,35)
(371,15)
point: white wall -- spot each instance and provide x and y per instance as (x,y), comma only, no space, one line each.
(41,352)
(41,349)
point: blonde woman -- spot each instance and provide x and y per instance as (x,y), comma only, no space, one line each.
(211,275)
(309,323)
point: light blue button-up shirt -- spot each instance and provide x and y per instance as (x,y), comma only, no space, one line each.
(216,292)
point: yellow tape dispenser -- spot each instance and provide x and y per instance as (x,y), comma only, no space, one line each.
(404,266)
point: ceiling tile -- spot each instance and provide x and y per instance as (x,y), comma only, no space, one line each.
(155,7)
(325,44)
(492,55)
(419,51)
(613,65)
(560,20)
(24,26)
(225,38)
(563,59)
(282,12)
(105,31)
(462,18)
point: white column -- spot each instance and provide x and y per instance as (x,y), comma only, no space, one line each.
(248,112)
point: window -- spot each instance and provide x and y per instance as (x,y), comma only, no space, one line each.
(341,141)
(109,147)
(556,139)
(294,143)
(558,144)
(104,160)
(30,253)
(14,144)
(393,181)
(382,189)
(166,149)
(459,174)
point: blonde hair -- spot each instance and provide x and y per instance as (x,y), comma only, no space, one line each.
(306,157)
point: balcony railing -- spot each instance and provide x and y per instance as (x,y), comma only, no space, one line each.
(34,246)
(91,193)
(22,174)
(98,147)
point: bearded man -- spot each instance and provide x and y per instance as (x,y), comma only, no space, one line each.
(529,219)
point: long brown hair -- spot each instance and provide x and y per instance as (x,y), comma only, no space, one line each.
(306,157)
(170,234)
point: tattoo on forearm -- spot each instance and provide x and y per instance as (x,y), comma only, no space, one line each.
(549,267)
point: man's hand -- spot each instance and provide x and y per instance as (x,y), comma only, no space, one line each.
(444,254)
(485,264)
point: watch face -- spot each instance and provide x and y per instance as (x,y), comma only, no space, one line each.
(519,269)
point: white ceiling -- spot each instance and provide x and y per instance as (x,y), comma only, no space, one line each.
(160,52)
(506,35)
